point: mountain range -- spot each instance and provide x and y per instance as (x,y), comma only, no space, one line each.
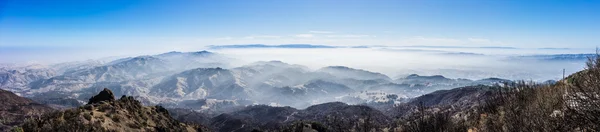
(175,77)
(180,90)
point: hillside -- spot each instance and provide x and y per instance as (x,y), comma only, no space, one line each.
(13,109)
(105,113)
(334,116)
(463,97)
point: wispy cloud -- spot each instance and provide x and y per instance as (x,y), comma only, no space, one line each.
(262,37)
(350,36)
(479,40)
(321,32)
(433,40)
(225,38)
(304,35)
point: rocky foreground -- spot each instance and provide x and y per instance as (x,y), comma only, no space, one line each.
(105,113)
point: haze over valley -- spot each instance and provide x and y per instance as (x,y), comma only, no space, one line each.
(240,75)
(299,66)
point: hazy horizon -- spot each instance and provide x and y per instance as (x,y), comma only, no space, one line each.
(396,62)
(402,37)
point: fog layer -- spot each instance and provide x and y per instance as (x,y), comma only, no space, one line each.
(469,63)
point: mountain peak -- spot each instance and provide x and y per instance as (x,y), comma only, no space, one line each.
(104,95)
(203,52)
(273,62)
(411,76)
(339,67)
(145,57)
(208,69)
(277,63)
(170,53)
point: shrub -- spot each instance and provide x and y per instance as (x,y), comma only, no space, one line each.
(17,129)
(116,118)
(87,116)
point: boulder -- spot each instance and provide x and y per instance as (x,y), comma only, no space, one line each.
(104,95)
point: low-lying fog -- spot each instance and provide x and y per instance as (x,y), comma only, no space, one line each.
(470,63)
(452,62)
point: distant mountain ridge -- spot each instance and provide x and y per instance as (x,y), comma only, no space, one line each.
(346,72)
(483,47)
(18,78)
(269,46)
(560,57)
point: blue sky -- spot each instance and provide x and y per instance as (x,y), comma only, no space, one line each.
(193,24)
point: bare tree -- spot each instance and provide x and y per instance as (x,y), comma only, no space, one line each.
(583,102)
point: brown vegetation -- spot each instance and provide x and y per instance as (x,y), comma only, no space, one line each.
(107,114)
(14,109)
(572,104)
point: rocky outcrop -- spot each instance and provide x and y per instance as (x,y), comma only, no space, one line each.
(104,95)
(103,113)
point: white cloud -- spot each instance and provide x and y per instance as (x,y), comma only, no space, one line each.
(349,36)
(304,35)
(262,37)
(322,32)
(225,38)
(479,40)
(432,40)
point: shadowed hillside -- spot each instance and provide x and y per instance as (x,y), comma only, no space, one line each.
(14,109)
(104,113)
